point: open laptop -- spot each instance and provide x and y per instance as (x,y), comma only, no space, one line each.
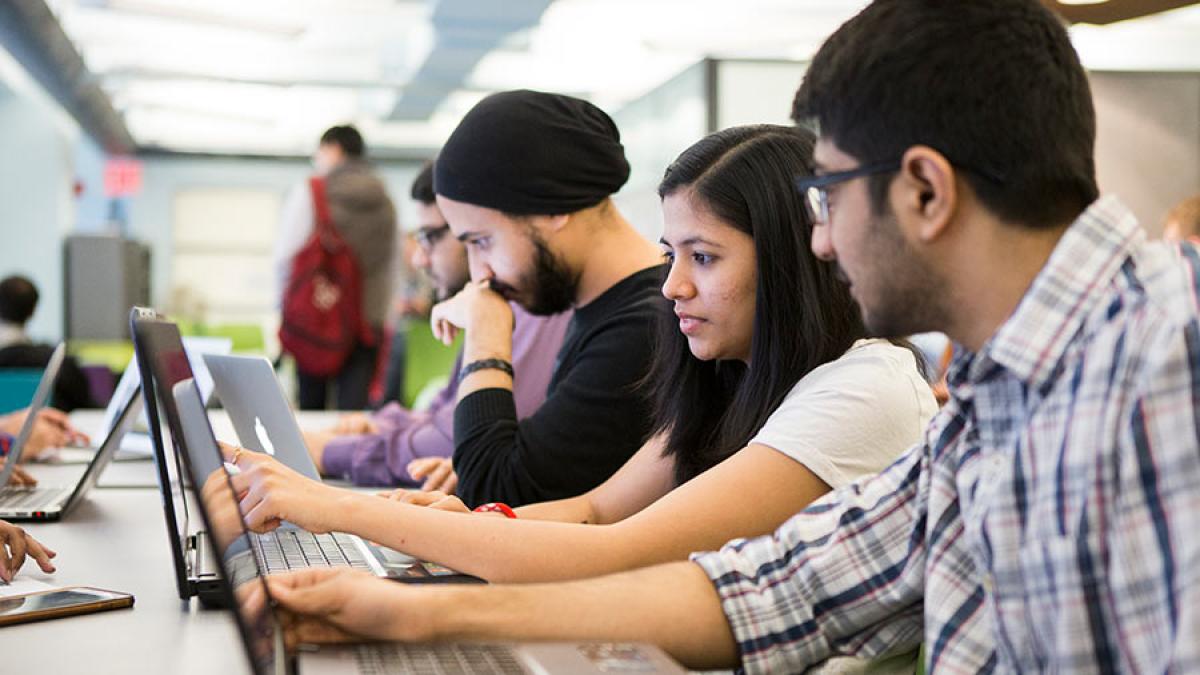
(244,589)
(53,502)
(47,502)
(195,573)
(254,400)
(137,442)
(251,395)
(163,362)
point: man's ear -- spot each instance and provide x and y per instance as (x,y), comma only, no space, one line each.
(925,193)
(551,224)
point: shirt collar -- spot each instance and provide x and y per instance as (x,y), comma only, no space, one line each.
(11,334)
(1063,294)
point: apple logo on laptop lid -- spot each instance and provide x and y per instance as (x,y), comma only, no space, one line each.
(261,432)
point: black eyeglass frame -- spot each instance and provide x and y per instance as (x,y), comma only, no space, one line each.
(814,189)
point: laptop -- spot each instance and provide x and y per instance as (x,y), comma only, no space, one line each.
(53,502)
(251,395)
(242,584)
(254,400)
(137,442)
(162,360)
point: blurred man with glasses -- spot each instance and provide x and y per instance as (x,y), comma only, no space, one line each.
(399,447)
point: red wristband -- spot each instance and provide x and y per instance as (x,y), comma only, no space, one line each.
(496,507)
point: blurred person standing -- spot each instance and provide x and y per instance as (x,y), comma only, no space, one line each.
(363,215)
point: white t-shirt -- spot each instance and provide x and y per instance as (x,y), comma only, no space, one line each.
(853,416)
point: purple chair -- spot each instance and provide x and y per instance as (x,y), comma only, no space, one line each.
(101,383)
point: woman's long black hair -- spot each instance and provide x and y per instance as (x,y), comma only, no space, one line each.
(803,316)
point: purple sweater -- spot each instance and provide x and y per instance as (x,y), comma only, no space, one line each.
(404,435)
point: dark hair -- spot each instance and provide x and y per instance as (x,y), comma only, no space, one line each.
(994,86)
(422,185)
(803,317)
(18,299)
(347,138)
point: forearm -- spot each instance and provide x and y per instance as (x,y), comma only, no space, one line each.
(673,606)
(496,549)
(491,339)
(571,510)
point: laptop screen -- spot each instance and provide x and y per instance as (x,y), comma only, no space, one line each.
(155,340)
(180,400)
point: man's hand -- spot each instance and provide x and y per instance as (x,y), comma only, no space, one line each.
(51,430)
(354,423)
(475,306)
(437,472)
(15,544)
(340,605)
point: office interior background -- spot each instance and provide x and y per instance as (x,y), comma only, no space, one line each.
(148,144)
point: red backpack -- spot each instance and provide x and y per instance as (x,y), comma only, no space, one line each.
(322,304)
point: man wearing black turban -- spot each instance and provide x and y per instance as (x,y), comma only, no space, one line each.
(525,182)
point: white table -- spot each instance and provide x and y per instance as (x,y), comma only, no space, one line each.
(116,539)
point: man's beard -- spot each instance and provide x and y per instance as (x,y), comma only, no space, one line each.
(908,296)
(551,285)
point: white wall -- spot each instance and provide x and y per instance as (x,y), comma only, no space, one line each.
(36,177)
(1148,140)
(153,210)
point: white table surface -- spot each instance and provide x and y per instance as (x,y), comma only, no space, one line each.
(116,539)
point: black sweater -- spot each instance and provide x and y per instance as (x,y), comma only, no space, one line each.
(592,420)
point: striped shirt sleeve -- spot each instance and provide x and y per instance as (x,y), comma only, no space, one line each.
(842,577)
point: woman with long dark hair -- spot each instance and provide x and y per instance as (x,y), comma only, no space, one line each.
(766,397)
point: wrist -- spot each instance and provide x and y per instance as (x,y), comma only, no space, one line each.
(490,335)
(343,505)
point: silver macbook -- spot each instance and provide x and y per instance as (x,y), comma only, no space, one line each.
(242,583)
(251,395)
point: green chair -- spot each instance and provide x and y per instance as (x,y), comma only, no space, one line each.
(247,337)
(17,386)
(426,360)
(112,353)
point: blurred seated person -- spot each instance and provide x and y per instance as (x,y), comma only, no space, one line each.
(378,449)
(1183,222)
(50,430)
(18,301)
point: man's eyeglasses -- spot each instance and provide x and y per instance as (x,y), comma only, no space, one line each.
(815,189)
(427,236)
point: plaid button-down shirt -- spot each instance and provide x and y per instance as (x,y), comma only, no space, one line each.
(1050,520)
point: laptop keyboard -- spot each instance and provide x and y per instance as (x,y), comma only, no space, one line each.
(30,498)
(442,659)
(283,550)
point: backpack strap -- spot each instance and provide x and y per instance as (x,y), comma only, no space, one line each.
(324,223)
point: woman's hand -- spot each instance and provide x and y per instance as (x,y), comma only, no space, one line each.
(434,499)
(270,493)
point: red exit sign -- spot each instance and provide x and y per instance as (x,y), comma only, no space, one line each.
(122,177)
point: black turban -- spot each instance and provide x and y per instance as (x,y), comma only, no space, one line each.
(526,152)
